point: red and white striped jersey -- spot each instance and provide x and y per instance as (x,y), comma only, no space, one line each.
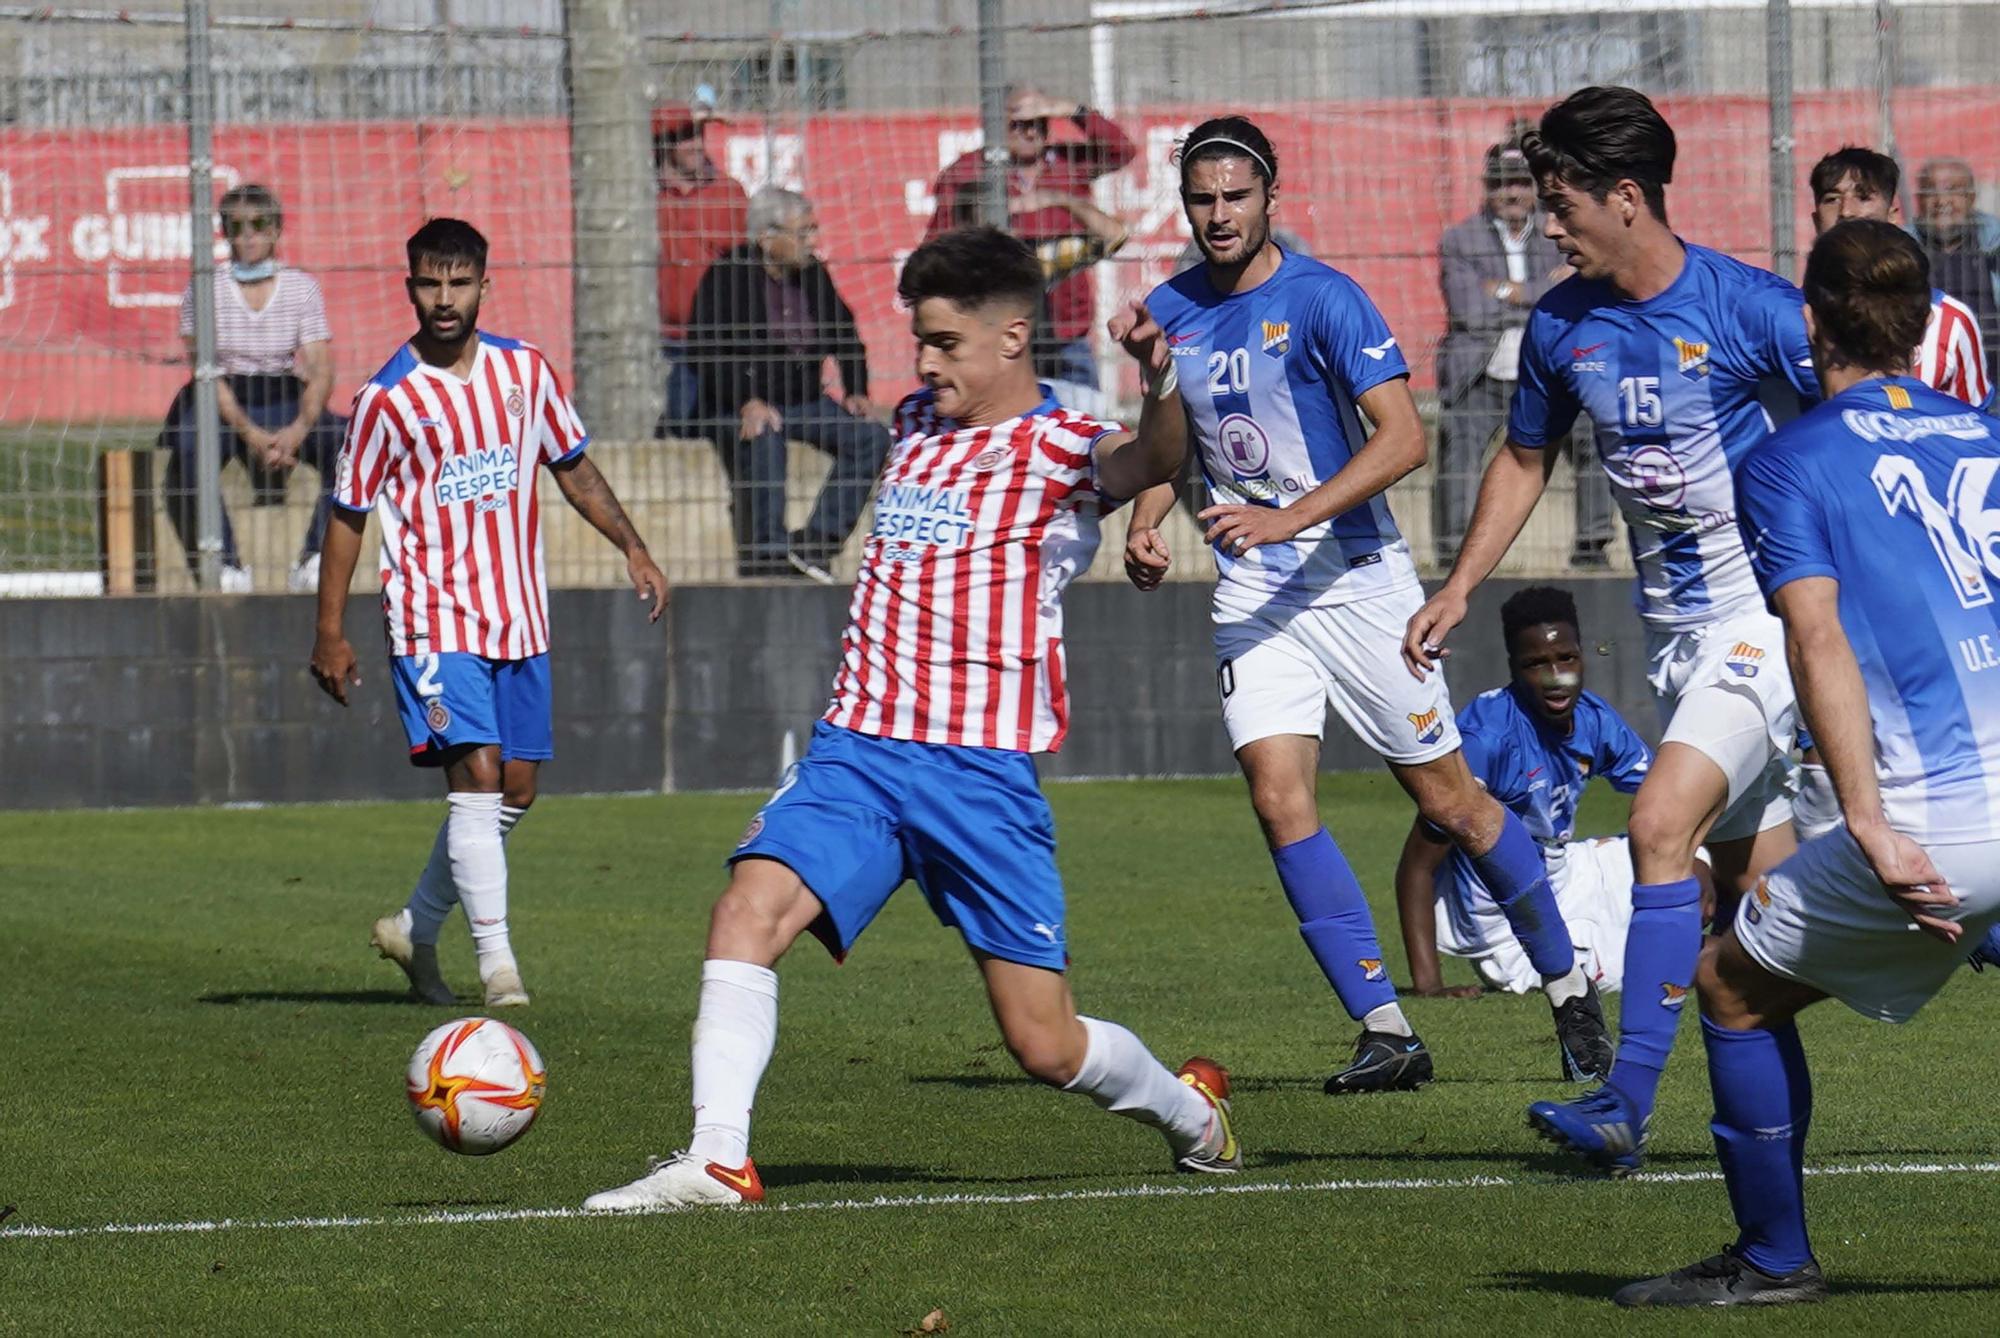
(954,634)
(452,463)
(1951,358)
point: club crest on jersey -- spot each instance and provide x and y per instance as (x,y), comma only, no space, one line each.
(1277,337)
(517,403)
(1694,359)
(1760,900)
(752,832)
(1744,659)
(437,716)
(1428,725)
(1898,397)
(989,459)
(1371,969)
(1672,995)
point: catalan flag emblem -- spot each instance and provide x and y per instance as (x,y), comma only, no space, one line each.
(1694,359)
(1744,659)
(1371,968)
(1428,726)
(1671,995)
(1898,397)
(1277,336)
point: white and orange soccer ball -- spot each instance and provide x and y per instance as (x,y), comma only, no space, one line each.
(476,1085)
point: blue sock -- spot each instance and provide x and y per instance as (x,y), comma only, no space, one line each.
(1763,1103)
(1517,876)
(1660,952)
(1334,921)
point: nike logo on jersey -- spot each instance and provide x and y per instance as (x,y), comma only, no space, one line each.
(1381,351)
(1576,352)
(1536,772)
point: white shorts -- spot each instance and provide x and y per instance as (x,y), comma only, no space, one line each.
(1595,897)
(1279,667)
(1822,918)
(1726,691)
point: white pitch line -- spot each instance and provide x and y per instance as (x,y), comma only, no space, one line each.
(1178,1190)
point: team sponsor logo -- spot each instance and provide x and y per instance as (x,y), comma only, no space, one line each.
(1898,397)
(1657,477)
(1429,726)
(1371,969)
(909,513)
(1184,345)
(437,716)
(989,459)
(1883,425)
(1744,659)
(1277,337)
(1672,995)
(517,403)
(1580,359)
(475,474)
(752,832)
(1694,359)
(1245,446)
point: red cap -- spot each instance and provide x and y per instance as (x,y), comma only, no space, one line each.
(682,120)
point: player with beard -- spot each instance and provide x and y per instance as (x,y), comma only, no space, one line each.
(443,447)
(1280,358)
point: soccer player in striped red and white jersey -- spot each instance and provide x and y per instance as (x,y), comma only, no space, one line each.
(951,677)
(1855,182)
(443,447)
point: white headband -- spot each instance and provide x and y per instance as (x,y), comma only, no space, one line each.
(1190,152)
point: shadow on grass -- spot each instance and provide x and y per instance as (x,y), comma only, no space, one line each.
(860,1176)
(1591,1286)
(1526,1160)
(234,997)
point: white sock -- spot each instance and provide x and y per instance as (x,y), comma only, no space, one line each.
(1120,1074)
(509,816)
(1388,1018)
(735,1030)
(435,893)
(1561,989)
(479,870)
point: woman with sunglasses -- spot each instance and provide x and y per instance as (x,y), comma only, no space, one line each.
(275,351)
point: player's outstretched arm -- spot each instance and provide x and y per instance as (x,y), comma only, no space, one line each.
(1146,555)
(1513,483)
(1416,907)
(1130,463)
(1834,701)
(333,665)
(586,490)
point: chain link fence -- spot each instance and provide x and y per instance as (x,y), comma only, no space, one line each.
(610,148)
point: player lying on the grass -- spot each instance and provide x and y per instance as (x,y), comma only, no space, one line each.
(951,678)
(1870,522)
(1283,357)
(443,447)
(1534,745)
(1664,345)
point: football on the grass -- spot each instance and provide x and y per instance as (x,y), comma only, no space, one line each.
(475,1085)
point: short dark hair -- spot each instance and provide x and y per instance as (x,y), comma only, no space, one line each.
(973,267)
(1869,286)
(1537,604)
(1599,136)
(1229,137)
(1875,170)
(447,242)
(250,195)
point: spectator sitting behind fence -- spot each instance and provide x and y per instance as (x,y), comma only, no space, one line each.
(1055,180)
(700,214)
(1494,267)
(1961,241)
(766,319)
(275,350)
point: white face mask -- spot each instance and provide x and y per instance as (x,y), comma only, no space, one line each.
(256,273)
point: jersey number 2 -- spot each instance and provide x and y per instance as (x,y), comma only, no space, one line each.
(1965,533)
(1229,371)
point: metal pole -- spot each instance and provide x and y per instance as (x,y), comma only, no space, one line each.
(992,115)
(1885,77)
(201,233)
(1778,65)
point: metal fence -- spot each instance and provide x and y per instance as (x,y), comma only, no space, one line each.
(536,120)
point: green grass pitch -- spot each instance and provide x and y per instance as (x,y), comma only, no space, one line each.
(196,1031)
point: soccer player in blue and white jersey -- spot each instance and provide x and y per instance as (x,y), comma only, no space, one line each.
(1664,345)
(1535,745)
(1280,359)
(1871,523)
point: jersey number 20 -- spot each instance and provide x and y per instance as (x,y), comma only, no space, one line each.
(1229,371)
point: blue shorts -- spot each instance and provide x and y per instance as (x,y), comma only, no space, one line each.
(858,815)
(455,698)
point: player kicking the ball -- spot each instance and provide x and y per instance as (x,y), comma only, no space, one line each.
(1870,524)
(951,678)
(443,447)
(1280,357)
(1663,345)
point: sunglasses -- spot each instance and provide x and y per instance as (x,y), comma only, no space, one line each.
(236,227)
(1026,127)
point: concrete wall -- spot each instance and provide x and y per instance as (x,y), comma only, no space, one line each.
(170,701)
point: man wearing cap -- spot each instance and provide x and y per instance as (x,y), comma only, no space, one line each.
(1055,179)
(702,211)
(1494,267)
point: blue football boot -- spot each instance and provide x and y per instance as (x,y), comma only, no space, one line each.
(1599,1126)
